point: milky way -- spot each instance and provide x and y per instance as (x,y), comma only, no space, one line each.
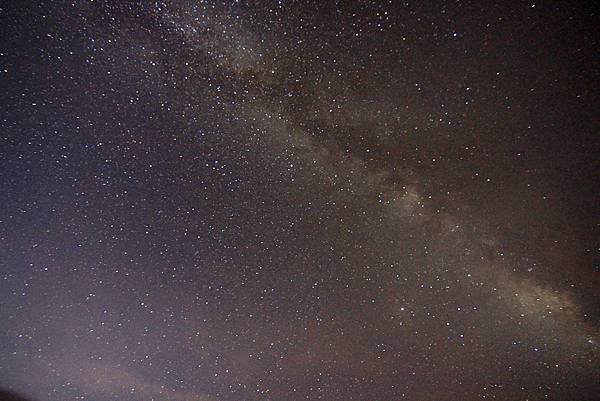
(297,200)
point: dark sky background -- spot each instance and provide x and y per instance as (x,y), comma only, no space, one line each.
(299,200)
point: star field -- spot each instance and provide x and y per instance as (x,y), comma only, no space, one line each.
(299,200)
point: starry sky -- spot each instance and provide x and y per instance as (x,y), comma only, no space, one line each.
(299,200)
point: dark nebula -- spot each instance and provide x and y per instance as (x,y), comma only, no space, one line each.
(299,200)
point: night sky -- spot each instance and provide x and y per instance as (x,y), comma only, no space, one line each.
(299,200)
